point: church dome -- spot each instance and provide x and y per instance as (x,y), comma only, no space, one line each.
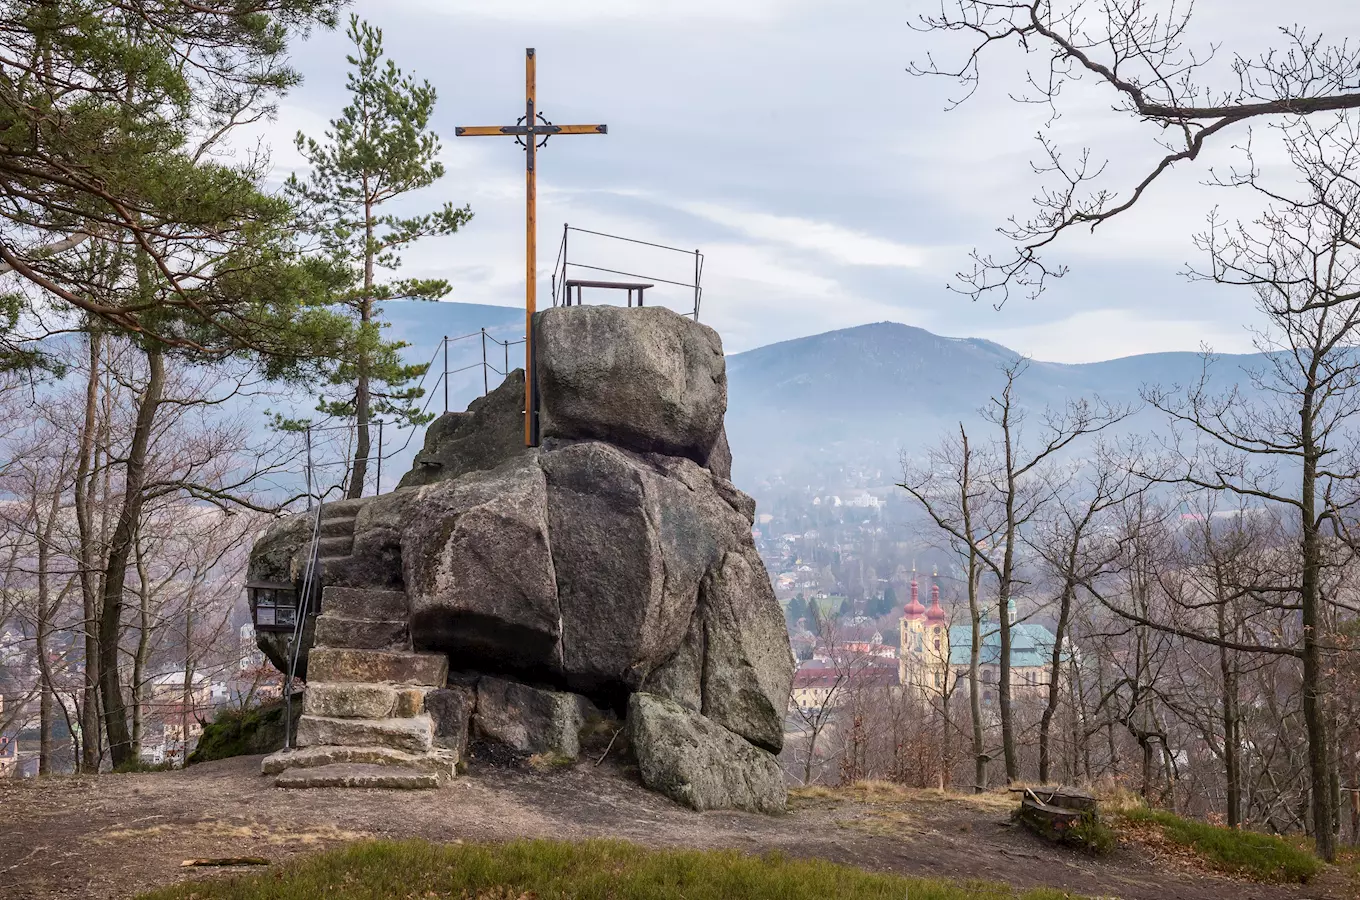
(914,609)
(936,612)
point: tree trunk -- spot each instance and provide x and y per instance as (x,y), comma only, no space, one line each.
(980,758)
(1310,600)
(362,395)
(139,658)
(1232,758)
(1003,688)
(120,551)
(1007,574)
(46,610)
(1055,670)
(187,703)
(88,760)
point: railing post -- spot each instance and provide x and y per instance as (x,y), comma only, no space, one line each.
(506,345)
(565,229)
(308,466)
(377,482)
(486,386)
(445,376)
(696,285)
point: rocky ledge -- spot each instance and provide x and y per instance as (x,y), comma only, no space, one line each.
(608,574)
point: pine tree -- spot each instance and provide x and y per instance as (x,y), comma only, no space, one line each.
(110,118)
(378,149)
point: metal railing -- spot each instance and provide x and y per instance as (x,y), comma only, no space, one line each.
(318,494)
(563,266)
(485,364)
(435,382)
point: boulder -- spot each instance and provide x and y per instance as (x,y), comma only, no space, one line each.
(451,709)
(488,434)
(697,762)
(278,556)
(748,667)
(720,457)
(680,678)
(630,545)
(529,719)
(479,572)
(646,379)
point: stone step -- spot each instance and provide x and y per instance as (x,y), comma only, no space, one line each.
(362,634)
(343,509)
(364,603)
(336,526)
(377,666)
(440,762)
(348,700)
(339,545)
(413,735)
(357,775)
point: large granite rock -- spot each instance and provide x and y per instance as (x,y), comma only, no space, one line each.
(695,761)
(614,563)
(530,719)
(479,573)
(748,668)
(488,434)
(645,379)
(451,710)
(630,546)
(681,678)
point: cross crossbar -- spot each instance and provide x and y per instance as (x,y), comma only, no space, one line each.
(518,130)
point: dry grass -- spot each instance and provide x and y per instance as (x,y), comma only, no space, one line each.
(1239,852)
(590,870)
(889,792)
(888,822)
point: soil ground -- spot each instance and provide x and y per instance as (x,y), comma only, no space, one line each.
(116,835)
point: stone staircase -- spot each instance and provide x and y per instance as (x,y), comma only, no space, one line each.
(336,538)
(363,720)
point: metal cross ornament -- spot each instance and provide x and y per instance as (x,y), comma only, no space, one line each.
(531,132)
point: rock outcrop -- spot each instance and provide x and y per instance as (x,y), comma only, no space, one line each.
(611,569)
(695,761)
(639,380)
(490,432)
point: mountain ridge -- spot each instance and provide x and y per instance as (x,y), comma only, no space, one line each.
(864,393)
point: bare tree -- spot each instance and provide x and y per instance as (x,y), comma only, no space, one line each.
(950,486)
(1291,446)
(1157,71)
(1017,487)
(1072,542)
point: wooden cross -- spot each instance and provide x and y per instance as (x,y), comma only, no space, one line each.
(530,128)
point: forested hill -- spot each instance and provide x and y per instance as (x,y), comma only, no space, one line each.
(870,391)
(856,394)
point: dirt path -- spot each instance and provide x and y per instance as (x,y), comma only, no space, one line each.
(113,836)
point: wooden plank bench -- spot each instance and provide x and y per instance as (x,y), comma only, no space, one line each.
(629,286)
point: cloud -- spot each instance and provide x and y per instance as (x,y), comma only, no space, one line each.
(839,244)
(826,187)
(1103,334)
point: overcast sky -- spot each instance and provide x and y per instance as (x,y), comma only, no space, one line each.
(784,138)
